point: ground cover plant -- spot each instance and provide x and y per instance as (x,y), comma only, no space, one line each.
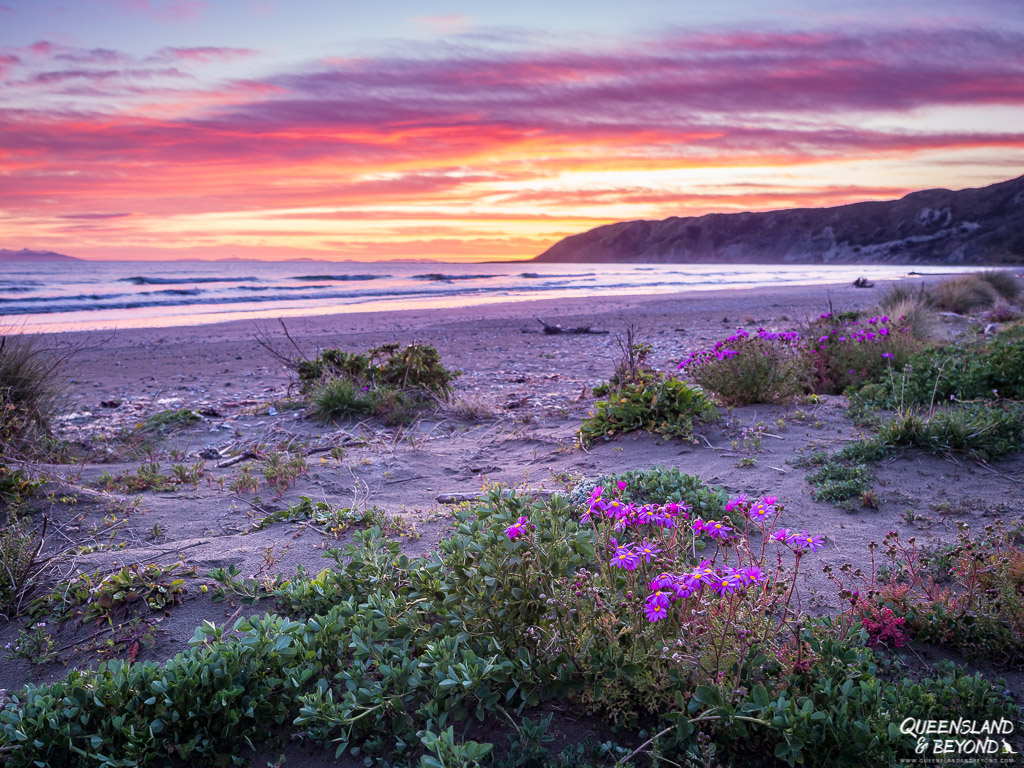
(978,430)
(969,597)
(987,369)
(638,397)
(389,382)
(610,607)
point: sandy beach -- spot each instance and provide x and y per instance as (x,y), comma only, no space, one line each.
(517,406)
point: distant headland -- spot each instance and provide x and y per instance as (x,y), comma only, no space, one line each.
(983,226)
(26,254)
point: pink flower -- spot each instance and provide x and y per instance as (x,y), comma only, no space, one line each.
(654,611)
(735,502)
(716,530)
(518,528)
(725,584)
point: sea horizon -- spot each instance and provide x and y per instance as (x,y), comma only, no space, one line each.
(81,295)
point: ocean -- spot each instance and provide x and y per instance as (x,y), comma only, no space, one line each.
(96,295)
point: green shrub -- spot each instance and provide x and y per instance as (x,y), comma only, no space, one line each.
(417,367)
(407,662)
(979,430)
(387,382)
(663,405)
(657,485)
(744,369)
(987,370)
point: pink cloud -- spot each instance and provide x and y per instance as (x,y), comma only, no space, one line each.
(678,101)
(444,24)
(205,53)
(166,10)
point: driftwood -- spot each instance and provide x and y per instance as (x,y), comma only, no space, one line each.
(459,498)
(863,282)
(552,329)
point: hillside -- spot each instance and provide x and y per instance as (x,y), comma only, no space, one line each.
(934,226)
(28,255)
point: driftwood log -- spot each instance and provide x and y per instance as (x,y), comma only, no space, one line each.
(552,329)
(459,498)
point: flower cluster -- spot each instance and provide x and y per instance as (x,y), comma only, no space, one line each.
(855,350)
(750,368)
(625,515)
(672,579)
(723,351)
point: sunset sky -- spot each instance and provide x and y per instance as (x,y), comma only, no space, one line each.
(167,129)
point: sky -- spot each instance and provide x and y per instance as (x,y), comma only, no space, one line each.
(471,131)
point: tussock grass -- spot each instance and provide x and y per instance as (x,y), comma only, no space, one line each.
(30,391)
(964,294)
(1004,282)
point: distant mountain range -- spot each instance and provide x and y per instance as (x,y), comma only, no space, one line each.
(26,255)
(935,226)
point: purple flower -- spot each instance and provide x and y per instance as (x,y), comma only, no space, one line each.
(647,551)
(782,534)
(686,586)
(725,584)
(735,502)
(804,540)
(661,597)
(518,528)
(702,573)
(625,559)
(716,530)
(751,575)
(622,485)
(662,581)
(888,355)
(759,512)
(654,611)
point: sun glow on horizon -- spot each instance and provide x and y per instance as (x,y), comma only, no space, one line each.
(471,143)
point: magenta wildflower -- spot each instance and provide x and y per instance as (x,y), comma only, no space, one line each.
(662,581)
(686,586)
(518,528)
(647,551)
(725,584)
(735,502)
(759,512)
(887,355)
(751,575)
(654,611)
(782,534)
(702,573)
(622,485)
(716,530)
(661,597)
(625,559)
(804,540)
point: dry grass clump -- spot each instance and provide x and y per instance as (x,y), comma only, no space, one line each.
(30,391)
(915,306)
(1004,282)
(964,294)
